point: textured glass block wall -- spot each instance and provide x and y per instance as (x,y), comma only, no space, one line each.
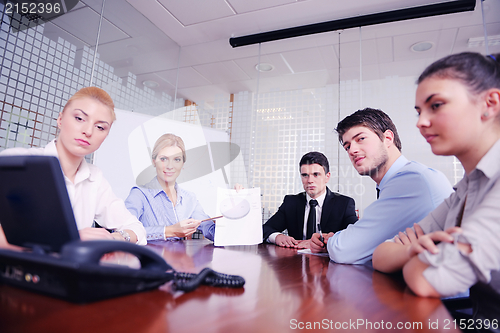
(38,75)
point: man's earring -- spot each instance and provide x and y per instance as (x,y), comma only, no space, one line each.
(485,115)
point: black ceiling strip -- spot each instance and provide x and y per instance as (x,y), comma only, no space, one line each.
(359,21)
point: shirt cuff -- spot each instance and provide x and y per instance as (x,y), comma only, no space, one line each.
(156,232)
(139,231)
(449,271)
(272,237)
(208,229)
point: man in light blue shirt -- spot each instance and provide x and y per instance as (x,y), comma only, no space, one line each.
(407,190)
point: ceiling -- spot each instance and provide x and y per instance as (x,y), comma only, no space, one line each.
(186,43)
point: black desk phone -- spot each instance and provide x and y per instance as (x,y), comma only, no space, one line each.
(36,213)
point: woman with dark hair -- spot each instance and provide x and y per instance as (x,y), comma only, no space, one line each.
(457,246)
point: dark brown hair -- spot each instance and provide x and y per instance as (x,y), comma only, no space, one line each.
(376,120)
(476,71)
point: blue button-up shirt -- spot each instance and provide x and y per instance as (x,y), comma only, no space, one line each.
(408,192)
(151,205)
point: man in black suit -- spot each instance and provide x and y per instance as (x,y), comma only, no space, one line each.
(301,213)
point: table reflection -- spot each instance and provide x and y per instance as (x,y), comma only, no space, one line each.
(282,289)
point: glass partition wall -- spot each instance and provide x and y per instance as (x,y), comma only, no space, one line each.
(42,66)
(271,104)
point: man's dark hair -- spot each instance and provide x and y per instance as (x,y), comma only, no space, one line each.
(374,119)
(315,157)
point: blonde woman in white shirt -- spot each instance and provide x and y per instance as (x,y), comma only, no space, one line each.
(83,125)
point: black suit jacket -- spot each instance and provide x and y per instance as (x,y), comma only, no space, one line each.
(337,213)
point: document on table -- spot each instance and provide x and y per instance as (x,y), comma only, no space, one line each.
(308,251)
(242,221)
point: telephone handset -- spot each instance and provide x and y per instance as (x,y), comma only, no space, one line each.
(90,253)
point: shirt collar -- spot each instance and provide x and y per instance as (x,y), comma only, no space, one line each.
(489,163)
(398,164)
(319,199)
(83,171)
(155,188)
(487,166)
(50,149)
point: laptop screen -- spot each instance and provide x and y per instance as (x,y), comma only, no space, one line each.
(35,210)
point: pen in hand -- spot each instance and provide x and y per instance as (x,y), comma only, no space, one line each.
(212,218)
(320,234)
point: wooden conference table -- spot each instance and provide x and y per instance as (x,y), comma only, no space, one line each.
(284,291)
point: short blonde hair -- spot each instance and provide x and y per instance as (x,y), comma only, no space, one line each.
(168,140)
(97,94)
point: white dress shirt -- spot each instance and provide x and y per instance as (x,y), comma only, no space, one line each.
(319,208)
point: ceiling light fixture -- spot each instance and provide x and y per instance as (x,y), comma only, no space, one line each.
(264,67)
(151,84)
(479,41)
(422,46)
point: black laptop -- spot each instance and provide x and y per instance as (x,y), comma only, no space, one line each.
(35,210)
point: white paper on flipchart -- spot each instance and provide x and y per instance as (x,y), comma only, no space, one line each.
(243,231)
